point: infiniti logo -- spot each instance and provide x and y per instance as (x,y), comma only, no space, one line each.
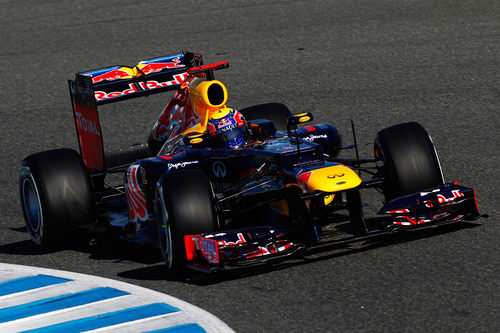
(219,169)
(336,175)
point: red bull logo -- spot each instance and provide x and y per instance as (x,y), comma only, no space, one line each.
(145,69)
(115,74)
(155,67)
(132,88)
(225,122)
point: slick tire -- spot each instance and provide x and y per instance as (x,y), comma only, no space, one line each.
(185,205)
(276,112)
(56,196)
(408,160)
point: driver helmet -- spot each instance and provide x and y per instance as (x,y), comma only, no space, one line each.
(228,127)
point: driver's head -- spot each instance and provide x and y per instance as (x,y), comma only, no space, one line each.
(228,127)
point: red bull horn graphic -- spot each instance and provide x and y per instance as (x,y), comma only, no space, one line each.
(224,122)
(115,74)
(136,199)
(155,67)
(144,69)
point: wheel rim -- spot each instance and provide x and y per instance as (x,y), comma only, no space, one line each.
(32,205)
(168,246)
(165,235)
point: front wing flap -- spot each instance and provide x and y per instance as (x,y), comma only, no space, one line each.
(210,252)
(447,203)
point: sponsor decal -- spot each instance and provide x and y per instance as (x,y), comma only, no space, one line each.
(227,128)
(83,94)
(327,199)
(442,199)
(304,119)
(315,137)
(241,240)
(270,248)
(220,185)
(115,74)
(239,119)
(128,73)
(224,122)
(337,175)
(136,199)
(87,125)
(155,67)
(167,122)
(195,141)
(207,247)
(132,88)
(219,169)
(241,245)
(181,164)
(177,116)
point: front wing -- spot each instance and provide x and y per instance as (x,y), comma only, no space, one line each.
(237,248)
(442,205)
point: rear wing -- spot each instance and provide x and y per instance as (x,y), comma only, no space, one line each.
(117,83)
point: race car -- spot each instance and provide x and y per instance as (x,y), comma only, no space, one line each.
(216,188)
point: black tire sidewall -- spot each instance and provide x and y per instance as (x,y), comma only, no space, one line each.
(410,161)
(65,194)
(188,197)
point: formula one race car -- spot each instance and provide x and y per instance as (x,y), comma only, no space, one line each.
(216,188)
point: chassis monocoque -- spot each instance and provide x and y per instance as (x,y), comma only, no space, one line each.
(208,207)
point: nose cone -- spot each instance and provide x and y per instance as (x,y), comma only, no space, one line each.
(330,179)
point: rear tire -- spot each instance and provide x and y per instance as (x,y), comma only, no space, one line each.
(410,162)
(56,196)
(185,205)
(276,112)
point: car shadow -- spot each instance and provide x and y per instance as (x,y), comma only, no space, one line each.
(122,250)
(334,252)
(102,247)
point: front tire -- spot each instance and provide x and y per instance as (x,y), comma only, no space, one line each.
(185,205)
(355,208)
(56,195)
(409,162)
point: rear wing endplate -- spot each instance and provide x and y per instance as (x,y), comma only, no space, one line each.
(117,83)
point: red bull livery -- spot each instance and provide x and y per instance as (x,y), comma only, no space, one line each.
(218,186)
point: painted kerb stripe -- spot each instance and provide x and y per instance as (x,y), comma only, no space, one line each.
(59,303)
(108,319)
(28,283)
(188,328)
(44,300)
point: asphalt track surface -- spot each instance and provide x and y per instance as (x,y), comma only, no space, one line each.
(376,62)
